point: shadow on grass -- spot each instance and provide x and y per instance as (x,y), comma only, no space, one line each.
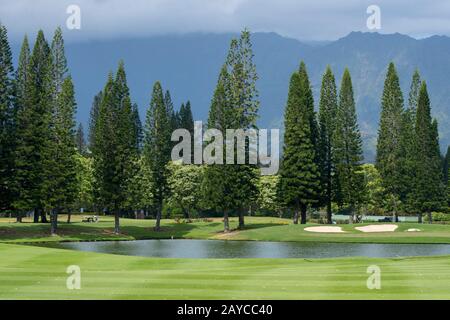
(35,231)
(104,231)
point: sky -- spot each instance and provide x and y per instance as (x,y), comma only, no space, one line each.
(301,19)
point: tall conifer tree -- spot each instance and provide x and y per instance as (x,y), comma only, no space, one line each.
(80,141)
(407,147)
(114,149)
(327,117)
(60,165)
(6,121)
(33,124)
(216,185)
(138,134)
(348,147)
(93,116)
(446,166)
(429,194)
(186,121)
(235,104)
(157,147)
(20,89)
(244,104)
(414,91)
(62,181)
(299,174)
(389,154)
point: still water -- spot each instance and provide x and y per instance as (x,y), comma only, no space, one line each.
(252,249)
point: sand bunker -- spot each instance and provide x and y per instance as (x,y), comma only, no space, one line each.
(378,228)
(324,229)
(413,230)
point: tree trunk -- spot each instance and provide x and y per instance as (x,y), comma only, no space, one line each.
(54,222)
(241,218)
(329,213)
(296,214)
(303,208)
(185,213)
(158,218)
(69,216)
(395,214)
(43,215)
(226,222)
(430,218)
(116,221)
(420,220)
(36,216)
(329,193)
(19,217)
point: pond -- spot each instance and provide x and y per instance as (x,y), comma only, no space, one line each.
(252,249)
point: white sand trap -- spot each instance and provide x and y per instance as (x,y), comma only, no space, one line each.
(378,228)
(324,229)
(413,230)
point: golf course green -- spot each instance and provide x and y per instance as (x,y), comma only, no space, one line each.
(30,272)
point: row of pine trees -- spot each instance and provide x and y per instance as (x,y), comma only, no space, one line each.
(42,154)
(38,168)
(323,157)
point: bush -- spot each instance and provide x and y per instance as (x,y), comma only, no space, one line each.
(342,222)
(440,216)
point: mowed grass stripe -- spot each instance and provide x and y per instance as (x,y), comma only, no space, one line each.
(123,277)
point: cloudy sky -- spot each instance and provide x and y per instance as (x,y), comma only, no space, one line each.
(301,19)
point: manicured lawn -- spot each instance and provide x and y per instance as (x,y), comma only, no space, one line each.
(40,273)
(257,228)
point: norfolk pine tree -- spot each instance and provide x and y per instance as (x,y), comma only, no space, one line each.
(446,166)
(138,134)
(20,87)
(429,190)
(33,122)
(348,147)
(327,117)
(6,121)
(61,166)
(63,173)
(407,147)
(186,121)
(299,174)
(114,149)
(93,116)
(244,104)
(389,154)
(157,148)
(235,104)
(216,184)
(414,91)
(80,141)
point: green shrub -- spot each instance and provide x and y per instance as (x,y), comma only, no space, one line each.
(440,216)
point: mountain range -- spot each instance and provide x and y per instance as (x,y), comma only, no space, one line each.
(188,65)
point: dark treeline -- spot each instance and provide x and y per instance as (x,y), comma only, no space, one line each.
(122,167)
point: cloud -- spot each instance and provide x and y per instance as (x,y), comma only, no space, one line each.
(301,19)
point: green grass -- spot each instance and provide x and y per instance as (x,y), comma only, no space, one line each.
(257,228)
(28,272)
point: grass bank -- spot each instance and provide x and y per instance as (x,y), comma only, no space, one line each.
(257,228)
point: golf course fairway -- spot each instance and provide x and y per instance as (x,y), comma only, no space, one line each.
(29,272)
